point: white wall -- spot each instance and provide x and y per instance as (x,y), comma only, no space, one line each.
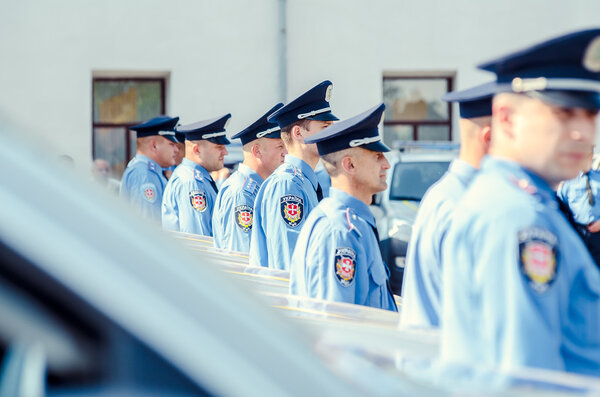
(222,56)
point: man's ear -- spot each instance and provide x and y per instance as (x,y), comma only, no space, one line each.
(296,133)
(347,163)
(256,151)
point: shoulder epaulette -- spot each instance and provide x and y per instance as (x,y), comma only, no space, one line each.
(250,186)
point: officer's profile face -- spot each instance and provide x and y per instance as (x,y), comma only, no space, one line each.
(371,170)
(273,153)
(553,141)
(166,152)
(212,155)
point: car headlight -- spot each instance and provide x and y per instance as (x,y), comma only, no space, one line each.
(400,229)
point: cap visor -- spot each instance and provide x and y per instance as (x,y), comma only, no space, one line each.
(378,146)
(220,140)
(569,99)
(324,117)
(171,138)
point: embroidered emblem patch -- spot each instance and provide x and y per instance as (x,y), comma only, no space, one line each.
(292,209)
(244,214)
(198,200)
(149,191)
(345,266)
(537,257)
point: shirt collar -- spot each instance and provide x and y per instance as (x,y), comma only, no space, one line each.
(149,160)
(356,205)
(306,169)
(191,164)
(463,170)
(248,172)
(525,179)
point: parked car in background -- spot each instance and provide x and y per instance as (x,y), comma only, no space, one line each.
(414,168)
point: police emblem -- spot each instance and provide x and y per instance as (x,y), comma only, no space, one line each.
(198,200)
(345,266)
(292,209)
(244,215)
(537,257)
(149,191)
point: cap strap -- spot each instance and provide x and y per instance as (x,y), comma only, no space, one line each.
(267,132)
(313,113)
(163,133)
(364,141)
(213,135)
(542,83)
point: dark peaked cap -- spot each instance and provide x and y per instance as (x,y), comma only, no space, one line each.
(473,102)
(212,130)
(359,131)
(161,125)
(260,128)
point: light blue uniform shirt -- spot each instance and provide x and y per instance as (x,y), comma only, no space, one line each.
(143,184)
(422,282)
(574,192)
(337,255)
(523,290)
(324,180)
(189,200)
(282,204)
(234,210)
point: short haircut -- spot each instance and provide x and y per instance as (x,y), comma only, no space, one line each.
(286,135)
(332,161)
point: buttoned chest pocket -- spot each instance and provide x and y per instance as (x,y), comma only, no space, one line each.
(377,285)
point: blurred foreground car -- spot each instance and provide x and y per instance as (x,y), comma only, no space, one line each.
(414,168)
(95,302)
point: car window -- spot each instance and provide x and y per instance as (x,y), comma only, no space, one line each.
(411,180)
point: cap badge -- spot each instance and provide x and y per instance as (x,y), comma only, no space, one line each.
(328,92)
(591,58)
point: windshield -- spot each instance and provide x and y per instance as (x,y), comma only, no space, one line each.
(411,180)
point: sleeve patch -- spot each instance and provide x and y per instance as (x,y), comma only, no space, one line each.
(537,257)
(198,200)
(244,215)
(291,209)
(345,266)
(149,192)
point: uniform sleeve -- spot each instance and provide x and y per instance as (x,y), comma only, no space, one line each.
(170,209)
(195,208)
(335,265)
(233,221)
(519,293)
(144,194)
(287,211)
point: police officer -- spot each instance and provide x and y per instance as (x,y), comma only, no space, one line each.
(143,182)
(582,194)
(519,287)
(337,255)
(189,198)
(422,283)
(178,157)
(234,209)
(292,191)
